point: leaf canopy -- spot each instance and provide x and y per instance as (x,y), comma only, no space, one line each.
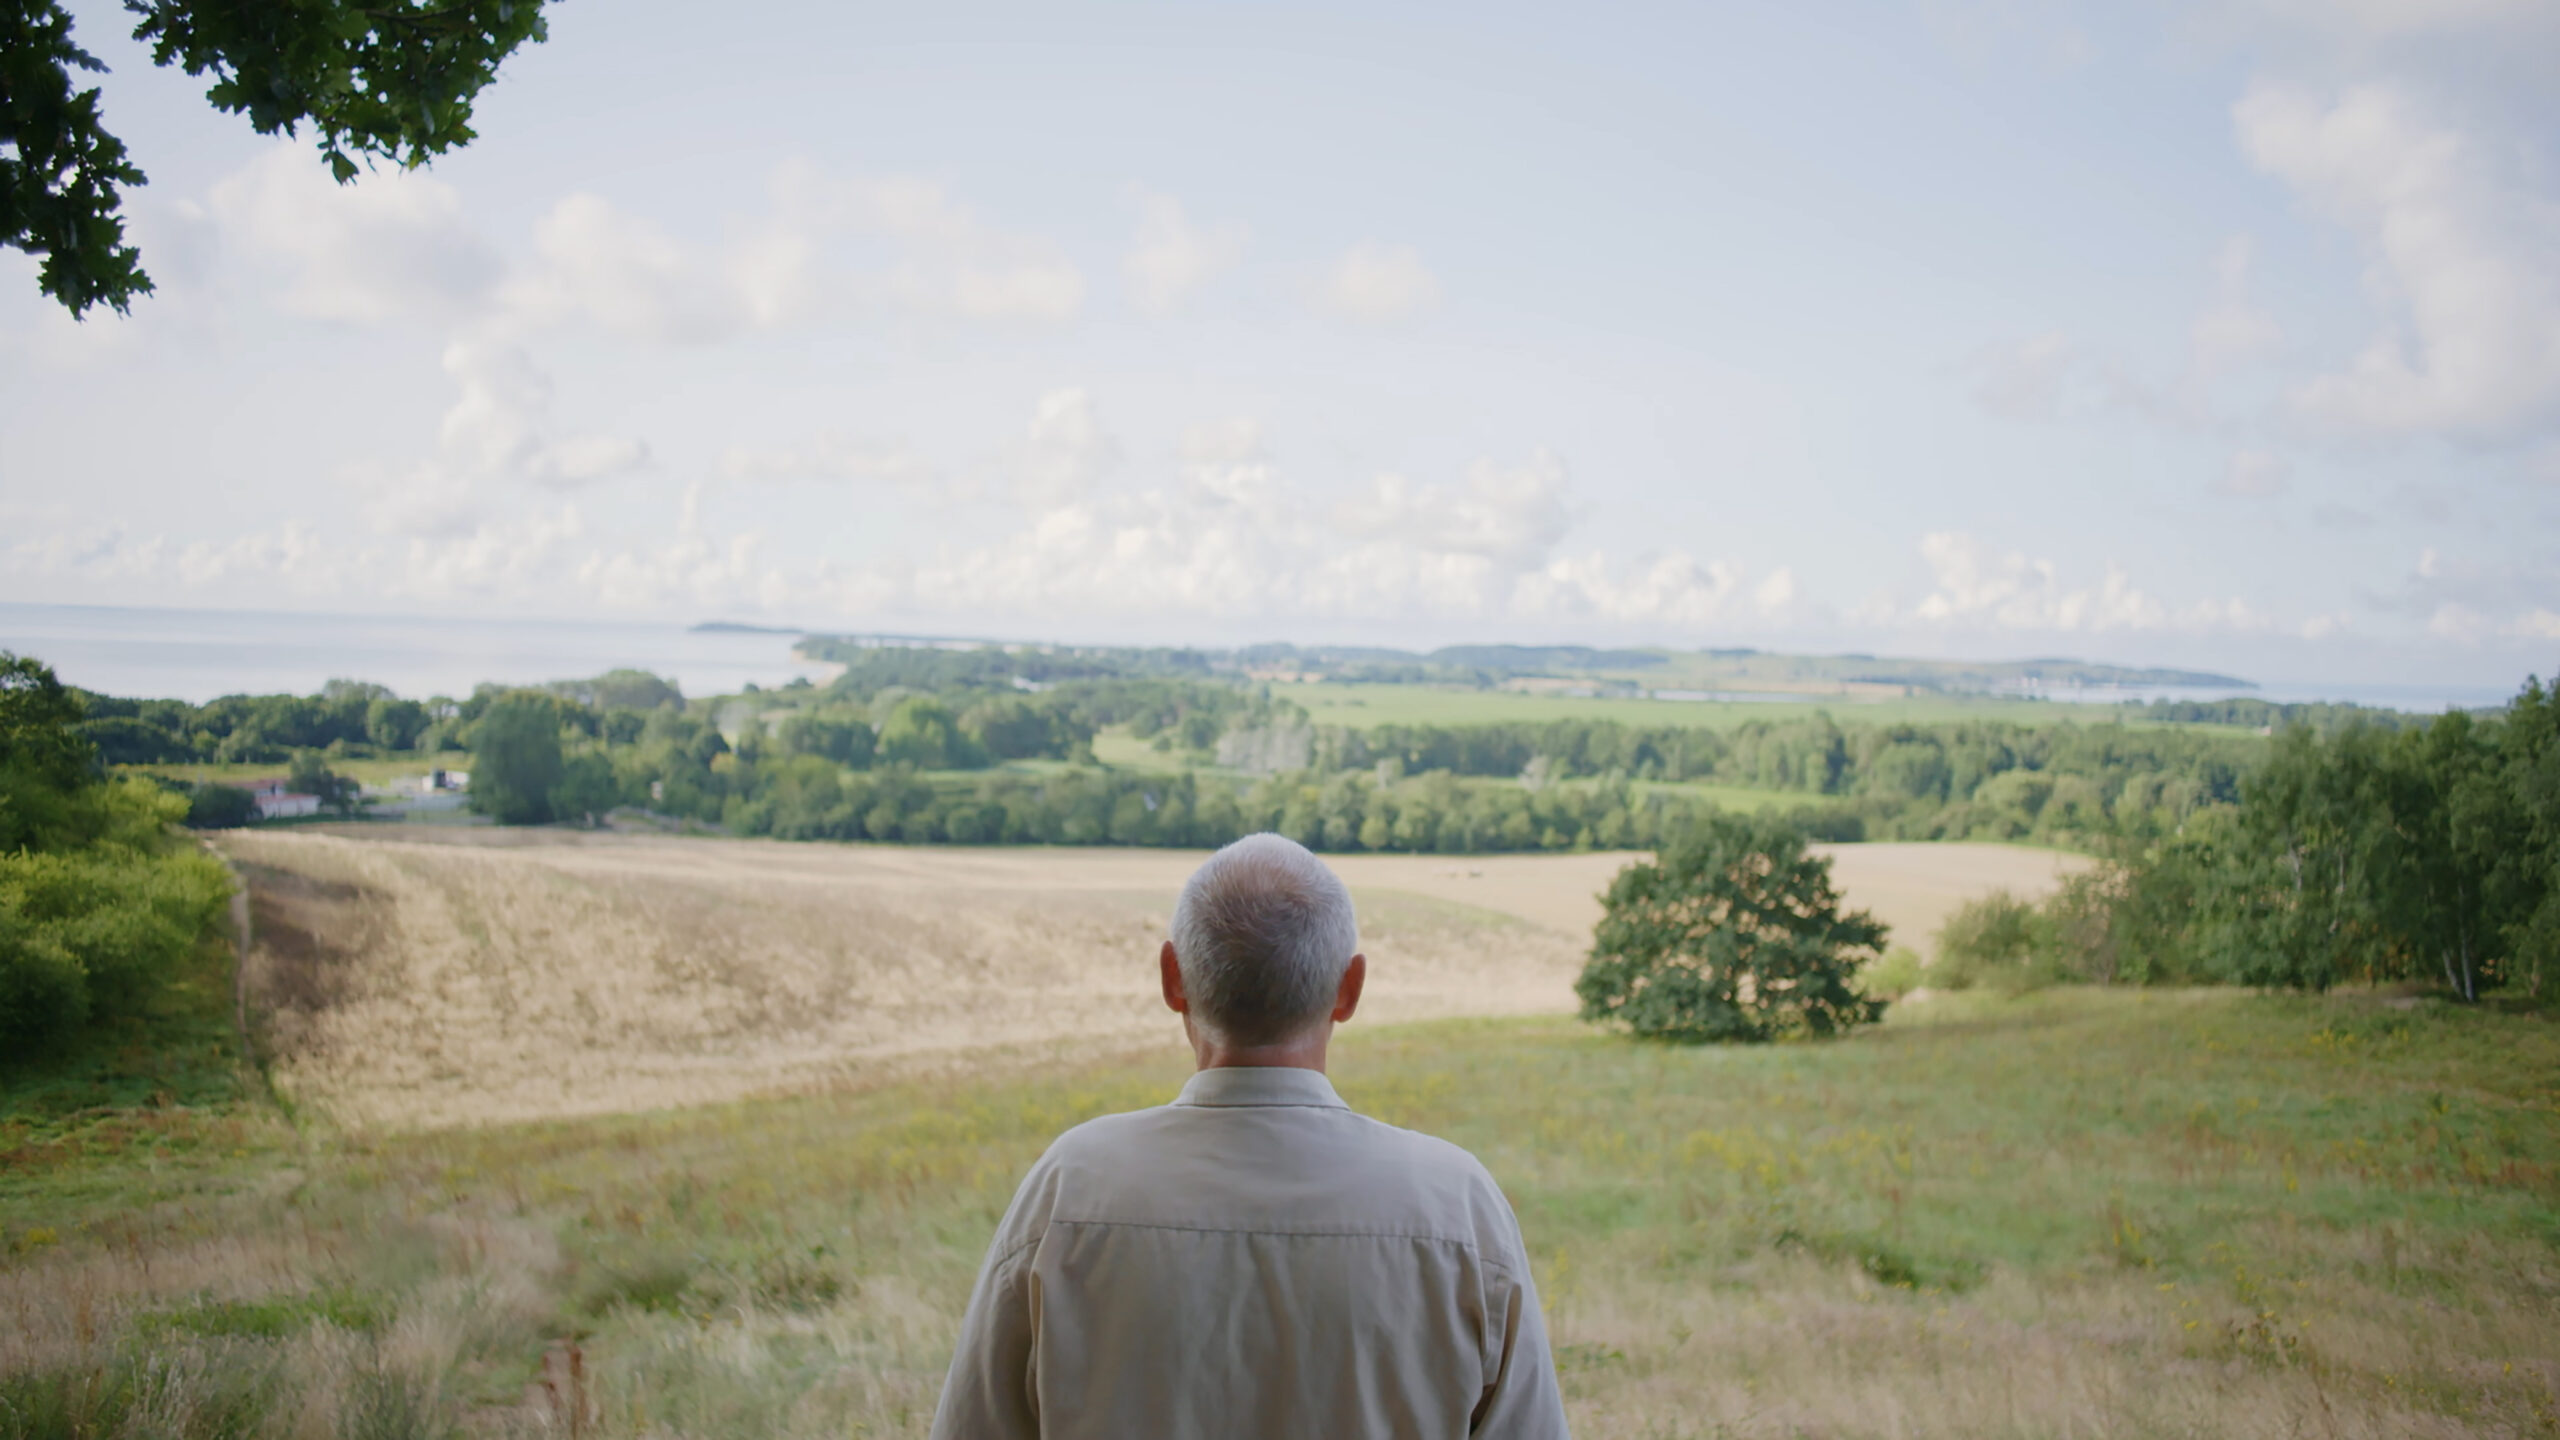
(1733,932)
(376,79)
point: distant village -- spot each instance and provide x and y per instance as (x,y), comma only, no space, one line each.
(273,798)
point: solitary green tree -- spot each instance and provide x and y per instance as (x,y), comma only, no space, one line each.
(1733,932)
(386,79)
(516,763)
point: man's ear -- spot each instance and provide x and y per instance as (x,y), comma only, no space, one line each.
(1174,999)
(1346,996)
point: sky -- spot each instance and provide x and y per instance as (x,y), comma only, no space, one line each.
(2221,336)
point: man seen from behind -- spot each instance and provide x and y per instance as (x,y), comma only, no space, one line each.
(1254,1259)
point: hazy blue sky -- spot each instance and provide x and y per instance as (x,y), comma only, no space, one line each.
(2219,335)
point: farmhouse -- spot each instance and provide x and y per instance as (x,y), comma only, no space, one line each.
(275,802)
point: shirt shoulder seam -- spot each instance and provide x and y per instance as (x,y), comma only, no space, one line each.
(1337,1232)
(1261,1105)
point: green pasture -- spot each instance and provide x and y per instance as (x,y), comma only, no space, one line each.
(1364,706)
(2079,1212)
(1116,747)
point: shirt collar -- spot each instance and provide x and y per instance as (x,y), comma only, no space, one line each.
(1260,1085)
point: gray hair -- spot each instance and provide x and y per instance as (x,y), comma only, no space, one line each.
(1263,932)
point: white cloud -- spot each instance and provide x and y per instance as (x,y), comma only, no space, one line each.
(829,249)
(1065,451)
(392,244)
(293,550)
(2457,595)
(1977,585)
(628,277)
(104,554)
(1234,540)
(500,559)
(537,557)
(577,460)
(833,456)
(1232,441)
(1171,257)
(1508,516)
(2465,263)
(293,559)
(949,261)
(1374,283)
(693,569)
(497,425)
(1660,590)
(2457,622)
(495,434)
(2254,475)
(2539,623)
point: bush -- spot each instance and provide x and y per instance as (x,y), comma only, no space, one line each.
(220,807)
(90,935)
(1732,933)
(1898,974)
(97,905)
(1992,942)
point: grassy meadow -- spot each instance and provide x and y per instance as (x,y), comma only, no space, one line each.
(1363,706)
(2075,1213)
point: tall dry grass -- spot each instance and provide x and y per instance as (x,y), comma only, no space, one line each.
(2072,1214)
(407,984)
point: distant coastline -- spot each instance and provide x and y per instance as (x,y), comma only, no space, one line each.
(197,655)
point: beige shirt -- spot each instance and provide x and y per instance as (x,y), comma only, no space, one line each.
(1253,1259)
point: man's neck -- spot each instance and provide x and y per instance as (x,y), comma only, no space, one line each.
(1301,1052)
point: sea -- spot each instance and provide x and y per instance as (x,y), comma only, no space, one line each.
(197,655)
(2419,699)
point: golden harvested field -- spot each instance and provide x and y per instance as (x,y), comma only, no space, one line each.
(417,978)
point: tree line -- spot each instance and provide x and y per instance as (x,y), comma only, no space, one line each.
(575,749)
(824,773)
(1956,780)
(2426,853)
(823,765)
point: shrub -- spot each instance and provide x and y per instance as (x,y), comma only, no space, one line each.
(90,935)
(1733,932)
(220,807)
(1992,942)
(1898,974)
